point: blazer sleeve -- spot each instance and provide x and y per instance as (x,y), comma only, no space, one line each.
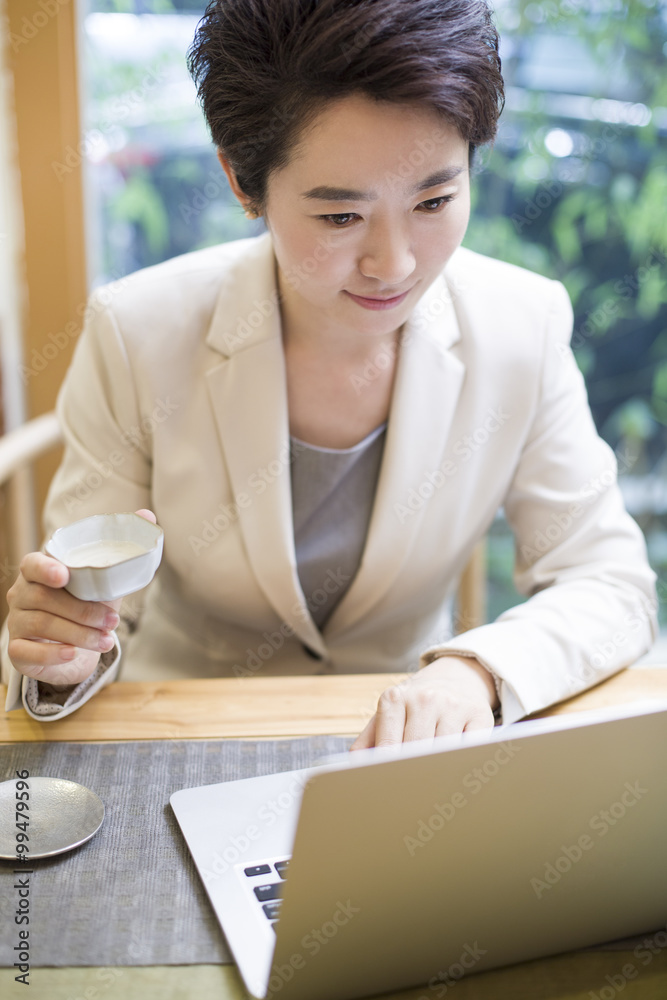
(579,556)
(106,467)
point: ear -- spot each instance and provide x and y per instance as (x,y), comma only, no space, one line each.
(240,195)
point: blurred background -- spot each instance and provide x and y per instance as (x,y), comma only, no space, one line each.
(575,188)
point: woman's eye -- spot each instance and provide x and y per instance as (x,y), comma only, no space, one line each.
(343,220)
(338,220)
(433,204)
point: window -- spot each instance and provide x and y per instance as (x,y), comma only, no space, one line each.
(154,187)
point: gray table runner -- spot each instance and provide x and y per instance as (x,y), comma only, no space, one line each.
(131,895)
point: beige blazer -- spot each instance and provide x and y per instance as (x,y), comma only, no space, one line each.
(176,400)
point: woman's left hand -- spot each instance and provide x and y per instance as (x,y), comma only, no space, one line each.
(451,695)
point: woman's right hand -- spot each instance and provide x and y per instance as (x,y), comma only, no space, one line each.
(40,609)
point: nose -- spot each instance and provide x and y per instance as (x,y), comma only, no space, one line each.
(387,256)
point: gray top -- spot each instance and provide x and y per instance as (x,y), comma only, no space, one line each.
(332,500)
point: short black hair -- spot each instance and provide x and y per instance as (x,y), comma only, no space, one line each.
(265,69)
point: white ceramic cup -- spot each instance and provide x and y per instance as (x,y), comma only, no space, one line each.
(124,573)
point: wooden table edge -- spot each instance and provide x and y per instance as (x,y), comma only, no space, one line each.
(266,708)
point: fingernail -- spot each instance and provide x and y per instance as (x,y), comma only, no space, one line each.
(105,643)
(111,620)
(67,653)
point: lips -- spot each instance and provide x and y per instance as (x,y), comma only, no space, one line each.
(374,302)
(379,298)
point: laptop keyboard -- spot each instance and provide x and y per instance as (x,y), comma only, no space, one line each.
(265,879)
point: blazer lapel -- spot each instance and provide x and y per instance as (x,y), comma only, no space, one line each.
(248,394)
(426,390)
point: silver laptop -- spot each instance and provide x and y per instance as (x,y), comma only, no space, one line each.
(386,869)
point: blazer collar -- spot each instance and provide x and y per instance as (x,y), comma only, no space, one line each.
(247,303)
(248,394)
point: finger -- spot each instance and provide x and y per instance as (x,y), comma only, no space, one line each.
(482,719)
(451,723)
(30,657)
(366,737)
(421,715)
(43,611)
(390,718)
(38,624)
(148,514)
(45,661)
(39,568)
(40,585)
(35,598)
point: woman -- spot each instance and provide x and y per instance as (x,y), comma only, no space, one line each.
(325,419)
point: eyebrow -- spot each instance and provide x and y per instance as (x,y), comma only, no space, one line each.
(326,193)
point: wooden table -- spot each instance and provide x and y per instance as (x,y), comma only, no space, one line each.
(299,706)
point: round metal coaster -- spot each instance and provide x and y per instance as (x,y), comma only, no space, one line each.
(61,815)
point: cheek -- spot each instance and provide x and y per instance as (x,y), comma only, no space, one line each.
(462,216)
(453,229)
(318,257)
(328,261)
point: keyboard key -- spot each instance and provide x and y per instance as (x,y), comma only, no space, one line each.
(266,892)
(258,870)
(272,910)
(281,868)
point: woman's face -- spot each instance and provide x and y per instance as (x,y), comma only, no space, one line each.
(371,207)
